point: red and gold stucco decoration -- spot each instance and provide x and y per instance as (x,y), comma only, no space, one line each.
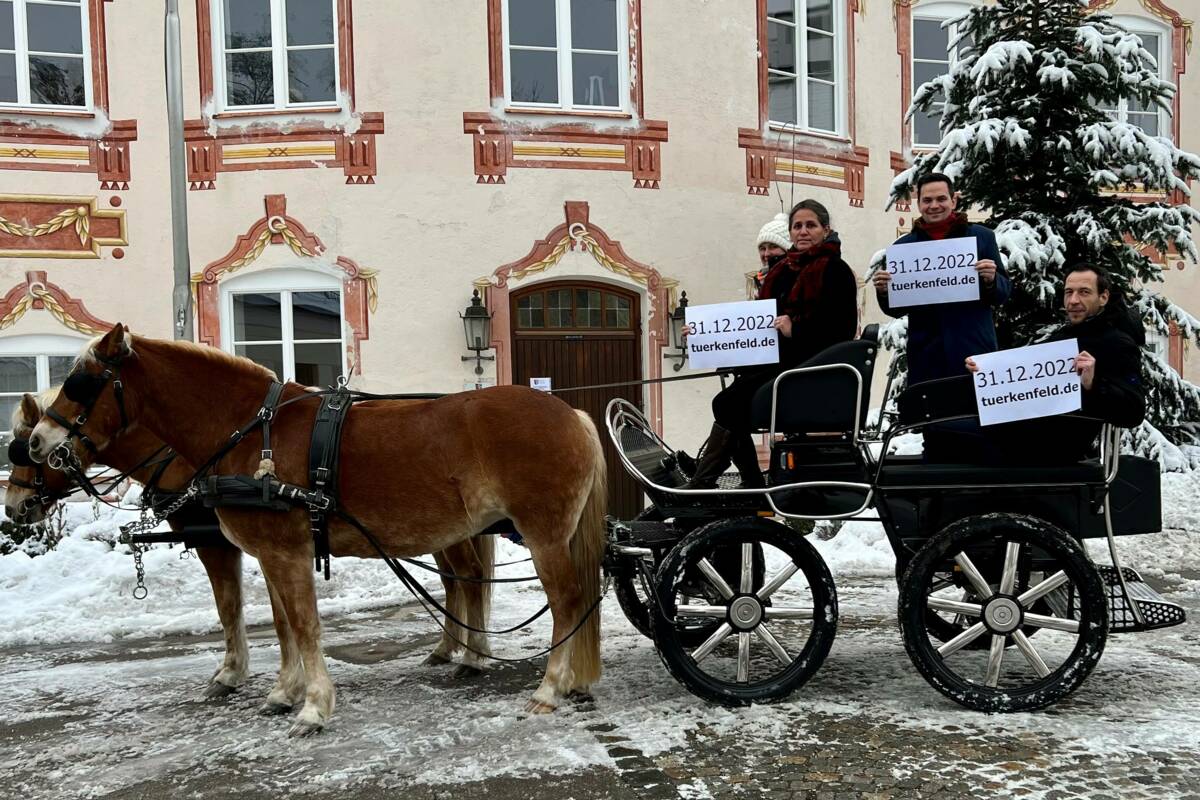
(779,155)
(360,286)
(38,294)
(51,226)
(576,232)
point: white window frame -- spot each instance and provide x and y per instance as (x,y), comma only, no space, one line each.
(1142,26)
(285,282)
(940,13)
(841,75)
(21,32)
(563,48)
(279,51)
(39,347)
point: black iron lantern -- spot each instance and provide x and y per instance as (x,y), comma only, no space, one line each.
(678,340)
(477,325)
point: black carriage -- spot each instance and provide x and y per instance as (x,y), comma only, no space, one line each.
(1000,605)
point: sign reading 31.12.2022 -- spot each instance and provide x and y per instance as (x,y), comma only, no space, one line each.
(926,273)
(732,334)
(1027,382)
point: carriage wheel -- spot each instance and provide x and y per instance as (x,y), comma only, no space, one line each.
(769,639)
(1065,601)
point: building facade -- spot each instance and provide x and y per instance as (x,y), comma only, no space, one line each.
(357,168)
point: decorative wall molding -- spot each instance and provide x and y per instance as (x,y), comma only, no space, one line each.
(360,286)
(803,158)
(55,226)
(39,294)
(577,233)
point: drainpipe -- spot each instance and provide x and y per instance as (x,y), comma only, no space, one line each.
(182,297)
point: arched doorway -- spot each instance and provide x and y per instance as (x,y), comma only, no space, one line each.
(581,333)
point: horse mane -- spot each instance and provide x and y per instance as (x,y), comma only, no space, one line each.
(44,399)
(213,354)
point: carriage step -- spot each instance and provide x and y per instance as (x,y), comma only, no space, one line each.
(1157,611)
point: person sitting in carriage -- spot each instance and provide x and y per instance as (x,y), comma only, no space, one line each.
(816,295)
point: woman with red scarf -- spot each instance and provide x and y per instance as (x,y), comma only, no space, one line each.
(816,297)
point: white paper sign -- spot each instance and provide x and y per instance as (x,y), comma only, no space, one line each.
(1027,382)
(732,334)
(541,384)
(926,273)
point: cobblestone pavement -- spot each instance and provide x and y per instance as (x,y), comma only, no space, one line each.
(126,721)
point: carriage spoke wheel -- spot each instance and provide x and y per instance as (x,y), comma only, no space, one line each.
(772,602)
(1001,578)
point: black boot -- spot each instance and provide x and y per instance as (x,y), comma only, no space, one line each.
(713,461)
(745,458)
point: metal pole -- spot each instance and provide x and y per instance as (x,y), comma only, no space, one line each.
(182,297)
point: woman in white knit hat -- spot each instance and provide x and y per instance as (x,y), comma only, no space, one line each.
(773,241)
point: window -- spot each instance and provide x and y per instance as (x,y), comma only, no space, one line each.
(805,64)
(566,54)
(275,54)
(296,332)
(1148,118)
(574,308)
(44,58)
(30,364)
(932,57)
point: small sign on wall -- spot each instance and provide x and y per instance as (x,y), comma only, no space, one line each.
(481,383)
(541,384)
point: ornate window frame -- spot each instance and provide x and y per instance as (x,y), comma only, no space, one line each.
(511,137)
(782,153)
(304,137)
(69,140)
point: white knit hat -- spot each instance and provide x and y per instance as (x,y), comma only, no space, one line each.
(775,232)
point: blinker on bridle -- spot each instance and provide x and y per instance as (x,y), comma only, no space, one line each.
(85,389)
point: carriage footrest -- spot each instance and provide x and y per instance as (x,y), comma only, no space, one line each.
(1157,611)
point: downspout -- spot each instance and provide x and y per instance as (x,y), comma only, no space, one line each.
(182,296)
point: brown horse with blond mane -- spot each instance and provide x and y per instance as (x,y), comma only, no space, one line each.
(139,453)
(420,477)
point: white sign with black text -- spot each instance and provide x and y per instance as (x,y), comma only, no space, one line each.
(927,273)
(1027,382)
(732,334)
(541,384)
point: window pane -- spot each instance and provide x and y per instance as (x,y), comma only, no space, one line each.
(820,14)
(782,9)
(18,374)
(594,24)
(268,355)
(317,315)
(926,127)
(781,47)
(318,364)
(60,368)
(8,78)
(311,75)
(930,40)
(250,79)
(56,80)
(587,308)
(616,311)
(309,22)
(8,407)
(54,29)
(532,23)
(256,318)
(1150,44)
(534,76)
(923,73)
(820,56)
(247,23)
(530,313)
(821,109)
(782,102)
(8,36)
(558,304)
(1147,122)
(595,79)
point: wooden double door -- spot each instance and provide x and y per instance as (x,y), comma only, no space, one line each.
(581,334)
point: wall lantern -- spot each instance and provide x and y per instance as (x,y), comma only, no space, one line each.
(678,342)
(477,325)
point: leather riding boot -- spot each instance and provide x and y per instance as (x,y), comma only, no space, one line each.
(745,458)
(713,461)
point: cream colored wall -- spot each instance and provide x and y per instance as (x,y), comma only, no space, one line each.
(431,230)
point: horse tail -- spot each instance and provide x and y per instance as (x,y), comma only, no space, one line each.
(485,551)
(587,551)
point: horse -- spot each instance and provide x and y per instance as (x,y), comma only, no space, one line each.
(33,489)
(417,477)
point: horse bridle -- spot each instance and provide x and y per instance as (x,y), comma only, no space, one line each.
(18,455)
(85,389)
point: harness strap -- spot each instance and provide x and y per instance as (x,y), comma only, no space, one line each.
(73,429)
(323,457)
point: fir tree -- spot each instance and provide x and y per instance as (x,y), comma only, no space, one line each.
(1025,139)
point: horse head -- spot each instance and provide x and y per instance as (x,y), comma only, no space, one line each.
(33,488)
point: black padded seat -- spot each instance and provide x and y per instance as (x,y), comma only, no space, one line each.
(822,401)
(910,472)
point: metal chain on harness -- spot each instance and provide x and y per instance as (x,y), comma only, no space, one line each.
(140,592)
(150,519)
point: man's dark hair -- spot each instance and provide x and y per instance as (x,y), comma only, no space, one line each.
(934,177)
(1103,281)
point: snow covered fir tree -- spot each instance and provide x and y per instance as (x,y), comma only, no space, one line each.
(1031,139)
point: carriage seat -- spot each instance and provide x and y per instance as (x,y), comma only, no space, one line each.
(822,400)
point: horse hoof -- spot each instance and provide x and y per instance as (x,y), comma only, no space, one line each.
(273,709)
(435,659)
(538,707)
(465,672)
(218,691)
(301,729)
(580,696)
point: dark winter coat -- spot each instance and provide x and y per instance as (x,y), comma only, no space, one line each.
(941,336)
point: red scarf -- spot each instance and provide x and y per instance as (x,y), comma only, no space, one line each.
(811,266)
(943,229)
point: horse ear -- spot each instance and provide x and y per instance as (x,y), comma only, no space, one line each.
(30,410)
(115,345)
